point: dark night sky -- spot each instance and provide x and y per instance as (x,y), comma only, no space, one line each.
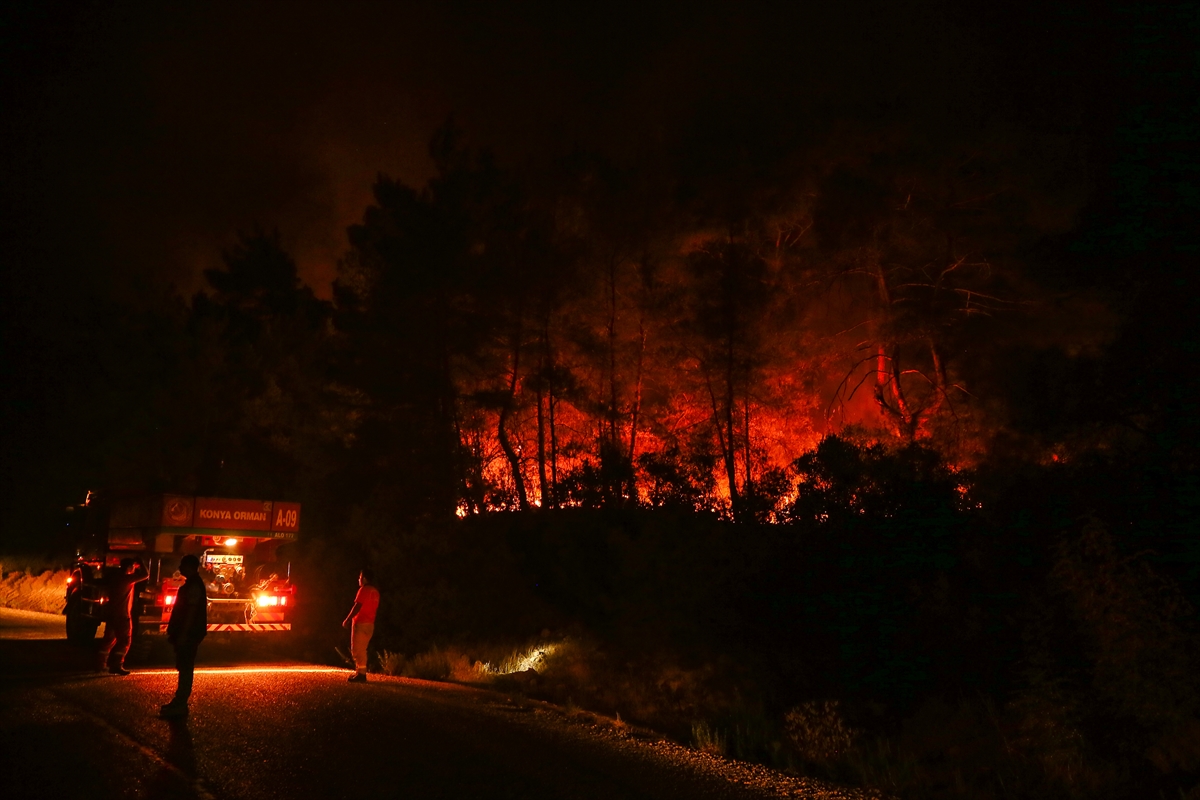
(142,138)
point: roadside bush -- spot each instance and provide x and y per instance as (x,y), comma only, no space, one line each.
(818,733)
(1109,697)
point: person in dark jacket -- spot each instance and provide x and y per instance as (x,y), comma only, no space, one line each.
(187,627)
(118,629)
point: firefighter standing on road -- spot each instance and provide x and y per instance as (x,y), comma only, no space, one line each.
(119,627)
(188,625)
(361,622)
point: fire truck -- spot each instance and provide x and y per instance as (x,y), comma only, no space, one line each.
(239,544)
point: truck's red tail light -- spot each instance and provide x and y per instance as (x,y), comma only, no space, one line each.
(168,600)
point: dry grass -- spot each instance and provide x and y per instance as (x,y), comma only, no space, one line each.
(34,590)
(391,663)
(708,739)
(436,664)
(453,664)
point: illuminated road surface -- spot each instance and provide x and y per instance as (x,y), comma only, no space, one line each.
(30,625)
(300,731)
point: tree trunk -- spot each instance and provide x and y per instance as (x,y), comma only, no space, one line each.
(722,420)
(889,394)
(937,388)
(613,423)
(730,457)
(730,441)
(514,462)
(543,374)
(748,482)
(553,450)
(908,419)
(637,410)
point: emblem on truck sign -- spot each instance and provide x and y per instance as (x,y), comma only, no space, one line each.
(176,511)
(179,511)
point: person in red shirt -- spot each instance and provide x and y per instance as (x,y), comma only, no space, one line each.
(118,630)
(361,622)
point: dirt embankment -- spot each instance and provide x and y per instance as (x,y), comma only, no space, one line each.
(34,591)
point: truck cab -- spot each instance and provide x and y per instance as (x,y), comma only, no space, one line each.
(241,544)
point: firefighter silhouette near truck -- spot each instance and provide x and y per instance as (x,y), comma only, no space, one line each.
(119,628)
(237,543)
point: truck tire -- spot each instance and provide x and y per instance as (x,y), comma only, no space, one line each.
(71,615)
(80,629)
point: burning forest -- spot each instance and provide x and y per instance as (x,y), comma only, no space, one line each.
(572,352)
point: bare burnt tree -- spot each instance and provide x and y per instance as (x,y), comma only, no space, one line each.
(909,240)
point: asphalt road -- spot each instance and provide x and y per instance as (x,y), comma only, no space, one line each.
(16,624)
(291,730)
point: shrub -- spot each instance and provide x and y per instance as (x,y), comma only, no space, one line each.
(818,732)
(521,659)
(1109,696)
(439,664)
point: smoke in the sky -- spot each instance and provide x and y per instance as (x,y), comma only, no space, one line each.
(151,135)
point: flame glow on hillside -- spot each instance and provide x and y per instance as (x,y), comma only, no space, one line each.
(586,355)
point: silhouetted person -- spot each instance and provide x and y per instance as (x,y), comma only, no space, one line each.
(361,622)
(118,629)
(188,625)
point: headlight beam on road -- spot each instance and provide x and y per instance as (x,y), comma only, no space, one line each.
(243,670)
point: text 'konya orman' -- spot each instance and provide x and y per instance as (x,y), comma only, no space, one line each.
(249,516)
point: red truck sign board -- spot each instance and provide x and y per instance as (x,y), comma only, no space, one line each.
(230,515)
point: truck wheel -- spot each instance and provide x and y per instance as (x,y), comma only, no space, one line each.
(72,622)
(80,630)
